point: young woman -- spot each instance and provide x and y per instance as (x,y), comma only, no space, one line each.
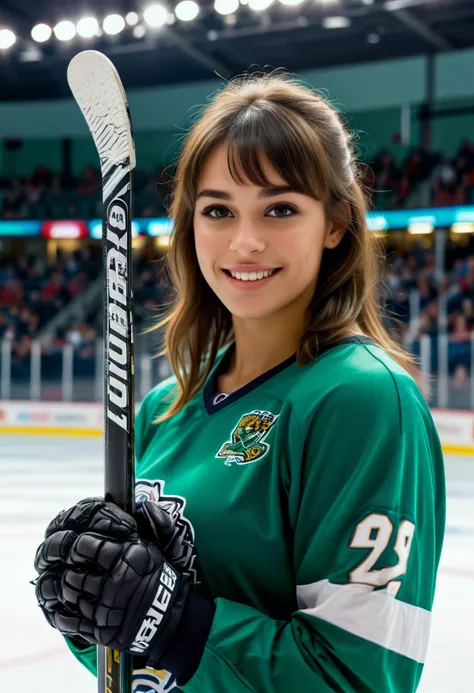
(291,490)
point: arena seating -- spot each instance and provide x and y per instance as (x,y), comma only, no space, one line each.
(32,292)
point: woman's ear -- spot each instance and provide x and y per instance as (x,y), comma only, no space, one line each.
(334,237)
(340,219)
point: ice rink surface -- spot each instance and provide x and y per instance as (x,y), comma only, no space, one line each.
(40,476)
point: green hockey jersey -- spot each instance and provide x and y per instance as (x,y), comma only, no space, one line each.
(315,499)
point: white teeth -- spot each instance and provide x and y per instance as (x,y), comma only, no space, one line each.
(251,276)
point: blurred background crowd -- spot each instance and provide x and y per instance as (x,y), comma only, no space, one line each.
(448,181)
(43,294)
(391,184)
(49,195)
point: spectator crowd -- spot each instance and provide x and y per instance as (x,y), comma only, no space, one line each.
(419,299)
(389,182)
(48,195)
(33,292)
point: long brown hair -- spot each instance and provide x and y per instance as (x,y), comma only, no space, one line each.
(303,138)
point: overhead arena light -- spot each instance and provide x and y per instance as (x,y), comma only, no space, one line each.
(336,22)
(139,31)
(132,18)
(259,5)
(87,27)
(187,10)
(64,31)
(41,33)
(113,24)
(7,39)
(226,7)
(291,3)
(155,15)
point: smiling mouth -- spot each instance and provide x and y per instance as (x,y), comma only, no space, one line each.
(251,276)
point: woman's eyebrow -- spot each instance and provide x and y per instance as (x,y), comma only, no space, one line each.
(267,191)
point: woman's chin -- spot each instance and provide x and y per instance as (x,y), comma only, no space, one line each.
(251,312)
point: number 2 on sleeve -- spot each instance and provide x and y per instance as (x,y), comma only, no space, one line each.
(374,533)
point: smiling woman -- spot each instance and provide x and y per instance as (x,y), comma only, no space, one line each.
(291,494)
(267,240)
(267,180)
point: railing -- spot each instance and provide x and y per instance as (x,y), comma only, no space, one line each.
(67,375)
(446,366)
(446,369)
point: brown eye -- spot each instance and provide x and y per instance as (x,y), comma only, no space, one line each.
(282,211)
(216,212)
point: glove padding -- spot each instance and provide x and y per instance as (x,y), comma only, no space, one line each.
(100,580)
(158,522)
(89,515)
(155,521)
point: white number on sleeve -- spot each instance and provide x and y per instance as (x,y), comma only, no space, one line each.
(374,533)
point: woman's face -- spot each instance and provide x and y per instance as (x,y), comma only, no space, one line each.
(259,249)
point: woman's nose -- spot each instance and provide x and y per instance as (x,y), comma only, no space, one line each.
(246,238)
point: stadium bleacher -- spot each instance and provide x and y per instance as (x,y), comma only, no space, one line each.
(35,290)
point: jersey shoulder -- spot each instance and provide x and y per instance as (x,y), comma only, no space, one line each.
(159,396)
(153,405)
(358,380)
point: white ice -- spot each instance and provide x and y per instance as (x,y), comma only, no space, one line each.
(40,476)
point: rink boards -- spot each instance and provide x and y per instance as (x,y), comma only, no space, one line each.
(455,427)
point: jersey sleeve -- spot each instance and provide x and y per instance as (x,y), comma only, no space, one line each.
(153,405)
(86,655)
(367,507)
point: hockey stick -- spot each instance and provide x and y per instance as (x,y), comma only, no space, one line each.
(97,88)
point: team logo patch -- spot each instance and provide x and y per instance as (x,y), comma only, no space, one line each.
(152,681)
(247,440)
(181,552)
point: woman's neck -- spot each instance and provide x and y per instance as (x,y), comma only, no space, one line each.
(258,356)
(257,350)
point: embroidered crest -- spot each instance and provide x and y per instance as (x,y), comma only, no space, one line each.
(181,552)
(247,440)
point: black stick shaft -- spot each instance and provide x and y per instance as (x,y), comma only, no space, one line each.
(99,92)
(115,670)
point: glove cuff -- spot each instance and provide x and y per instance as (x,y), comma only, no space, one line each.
(185,649)
(161,619)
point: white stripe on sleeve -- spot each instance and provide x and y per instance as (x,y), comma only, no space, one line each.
(368,614)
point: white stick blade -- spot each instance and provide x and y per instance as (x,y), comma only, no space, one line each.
(98,90)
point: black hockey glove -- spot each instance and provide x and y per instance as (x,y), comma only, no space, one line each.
(156,521)
(100,580)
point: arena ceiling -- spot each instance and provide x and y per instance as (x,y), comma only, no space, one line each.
(295,37)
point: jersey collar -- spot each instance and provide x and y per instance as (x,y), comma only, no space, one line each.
(210,388)
(222,363)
